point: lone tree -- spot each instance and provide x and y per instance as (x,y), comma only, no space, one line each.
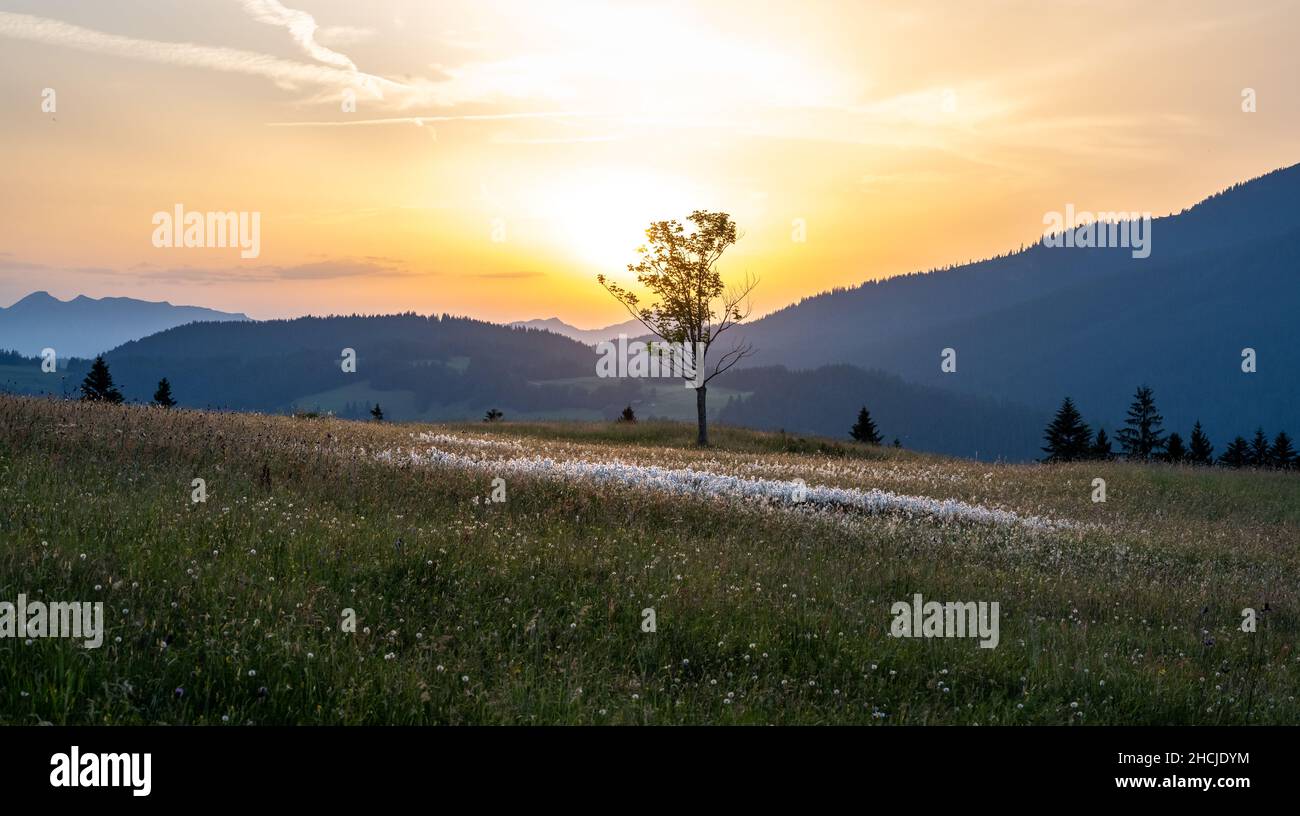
(1068,437)
(1175,451)
(1143,435)
(377,413)
(693,308)
(98,385)
(1101,447)
(163,396)
(628,415)
(492,415)
(1201,451)
(864,430)
(1282,454)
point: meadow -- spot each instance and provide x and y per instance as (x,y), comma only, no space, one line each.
(768,608)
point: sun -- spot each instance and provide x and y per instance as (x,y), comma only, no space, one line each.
(599,217)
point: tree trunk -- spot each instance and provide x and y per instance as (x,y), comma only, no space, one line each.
(703,417)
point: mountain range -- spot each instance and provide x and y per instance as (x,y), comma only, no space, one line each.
(1023,331)
(590,337)
(84,326)
(1036,325)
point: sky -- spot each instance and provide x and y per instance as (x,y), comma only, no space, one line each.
(490,158)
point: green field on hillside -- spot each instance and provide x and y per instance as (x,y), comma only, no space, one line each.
(533,609)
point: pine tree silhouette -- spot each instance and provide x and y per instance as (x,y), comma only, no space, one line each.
(864,430)
(628,415)
(1175,453)
(1259,451)
(1101,447)
(1143,435)
(163,396)
(1201,451)
(377,413)
(98,385)
(493,415)
(1068,437)
(1237,455)
(1282,454)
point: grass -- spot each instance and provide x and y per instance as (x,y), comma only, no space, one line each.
(530,610)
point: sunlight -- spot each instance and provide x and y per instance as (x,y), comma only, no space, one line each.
(599,218)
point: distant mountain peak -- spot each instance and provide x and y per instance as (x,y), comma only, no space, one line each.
(40,296)
(85,326)
(631,328)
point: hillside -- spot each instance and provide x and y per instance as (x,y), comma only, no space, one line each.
(1035,325)
(769,567)
(825,401)
(446,368)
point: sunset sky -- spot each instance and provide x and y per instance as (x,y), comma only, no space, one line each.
(901,135)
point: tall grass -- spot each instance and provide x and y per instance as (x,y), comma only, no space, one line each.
(530,610)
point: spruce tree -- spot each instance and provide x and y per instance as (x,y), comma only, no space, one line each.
(1101,447)
(1175,453)
(1143,434)
(1282,454)
(1237,455)
(1259,451)
(163,396)
(98,385)
(1201,451)
(864,430)
(1068,437)
(377,413)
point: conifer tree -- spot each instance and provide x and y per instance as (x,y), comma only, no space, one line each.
(1237,455)
(1175,453)
(98,385)
(1143,434)
(377,413)
(864,430)
(1201,451)
(1068,436)
(163,396)
(1101,447)
(1282,454)
(1259,450)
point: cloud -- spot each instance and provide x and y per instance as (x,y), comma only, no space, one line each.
(330,269)
(503,275)
(317,271)
(7,265)
(285,73)
(435,118)
(302,27)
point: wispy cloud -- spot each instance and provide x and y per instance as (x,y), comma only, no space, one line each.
(436,118)
(328,269)
(503,275)
(285,73)
(302,27)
